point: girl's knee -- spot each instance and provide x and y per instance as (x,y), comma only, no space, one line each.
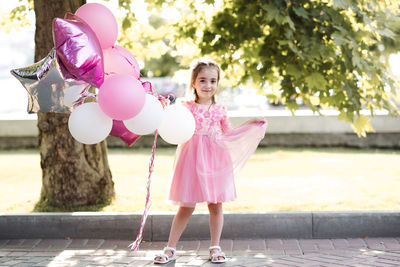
(186,210)
(215,208)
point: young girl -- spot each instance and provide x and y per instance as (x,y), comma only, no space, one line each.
(204,166)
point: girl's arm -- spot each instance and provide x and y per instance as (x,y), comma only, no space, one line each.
(225,123)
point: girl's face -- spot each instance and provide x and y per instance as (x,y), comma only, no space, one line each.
(206,84)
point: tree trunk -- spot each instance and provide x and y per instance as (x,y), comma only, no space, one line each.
(73,174)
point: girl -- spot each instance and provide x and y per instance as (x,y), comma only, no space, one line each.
(204,166)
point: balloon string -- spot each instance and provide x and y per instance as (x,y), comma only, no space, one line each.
(135,245)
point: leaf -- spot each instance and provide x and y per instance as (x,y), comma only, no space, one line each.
(343,116)
(343,4)
(316,80)
(301,12)
(356,59)
(126,23)
(293,70)
(338,39)
(362,125)
(271,11)
(290,22)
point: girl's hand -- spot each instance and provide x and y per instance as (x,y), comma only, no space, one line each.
(258,120)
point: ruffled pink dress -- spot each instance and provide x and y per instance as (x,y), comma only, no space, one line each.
(204,166)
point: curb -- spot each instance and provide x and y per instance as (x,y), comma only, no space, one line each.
(125,226)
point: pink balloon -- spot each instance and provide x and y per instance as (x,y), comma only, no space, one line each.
(119,130)
(102,22)
(121,97)
(118,60)
(78,50)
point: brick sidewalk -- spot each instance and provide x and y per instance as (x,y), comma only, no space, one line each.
(269,252)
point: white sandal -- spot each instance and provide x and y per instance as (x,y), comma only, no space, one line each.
(214,257)
(164,257)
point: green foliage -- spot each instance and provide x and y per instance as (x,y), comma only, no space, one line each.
(17,18)
(330,53)
(150,42)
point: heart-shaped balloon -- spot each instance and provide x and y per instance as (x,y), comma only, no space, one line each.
(78,50)
(119,130)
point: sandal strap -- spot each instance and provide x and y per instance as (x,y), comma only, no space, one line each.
(218,254)
(215,247)
(166,258)
(173,250)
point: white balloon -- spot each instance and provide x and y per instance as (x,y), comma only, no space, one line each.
(88,124)
(148,119)
(73,93)
(178,124)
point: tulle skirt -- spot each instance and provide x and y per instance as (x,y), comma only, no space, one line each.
(205,165)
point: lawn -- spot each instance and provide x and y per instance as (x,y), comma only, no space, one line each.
(274,179)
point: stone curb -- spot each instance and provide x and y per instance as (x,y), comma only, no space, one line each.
(125,226)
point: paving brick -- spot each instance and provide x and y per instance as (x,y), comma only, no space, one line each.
(275,252)
(43,253)
(274,244)
(188,245)
(290,244)
(374,243)
(22,244)
(293,252)
(356,243)
(17,253)
(52,244)
(43,263)
(391,243)
(111,244)
(227,246)
(340,243)
(11,262)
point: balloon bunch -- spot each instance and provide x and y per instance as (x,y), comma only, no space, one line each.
(86,64)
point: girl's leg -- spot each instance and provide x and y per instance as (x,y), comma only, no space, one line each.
(216,223)
(178,226)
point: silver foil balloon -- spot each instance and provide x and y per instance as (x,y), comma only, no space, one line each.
(46,85)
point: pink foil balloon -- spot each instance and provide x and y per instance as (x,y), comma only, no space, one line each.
(121,97)
(119,130)
(102,21)
(131,59)
(78,50)
(148,88)
(118,60)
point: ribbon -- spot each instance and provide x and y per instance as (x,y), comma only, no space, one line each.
(135,245)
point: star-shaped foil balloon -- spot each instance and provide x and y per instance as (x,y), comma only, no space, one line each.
(46,85)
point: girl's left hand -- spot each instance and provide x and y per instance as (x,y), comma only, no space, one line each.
(258,119)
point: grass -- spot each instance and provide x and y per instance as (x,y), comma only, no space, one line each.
(274,179)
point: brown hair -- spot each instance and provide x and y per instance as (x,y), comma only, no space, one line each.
(199,65)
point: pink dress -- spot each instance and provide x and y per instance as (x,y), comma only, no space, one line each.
(205,165)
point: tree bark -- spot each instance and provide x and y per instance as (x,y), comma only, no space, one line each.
(74,174)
